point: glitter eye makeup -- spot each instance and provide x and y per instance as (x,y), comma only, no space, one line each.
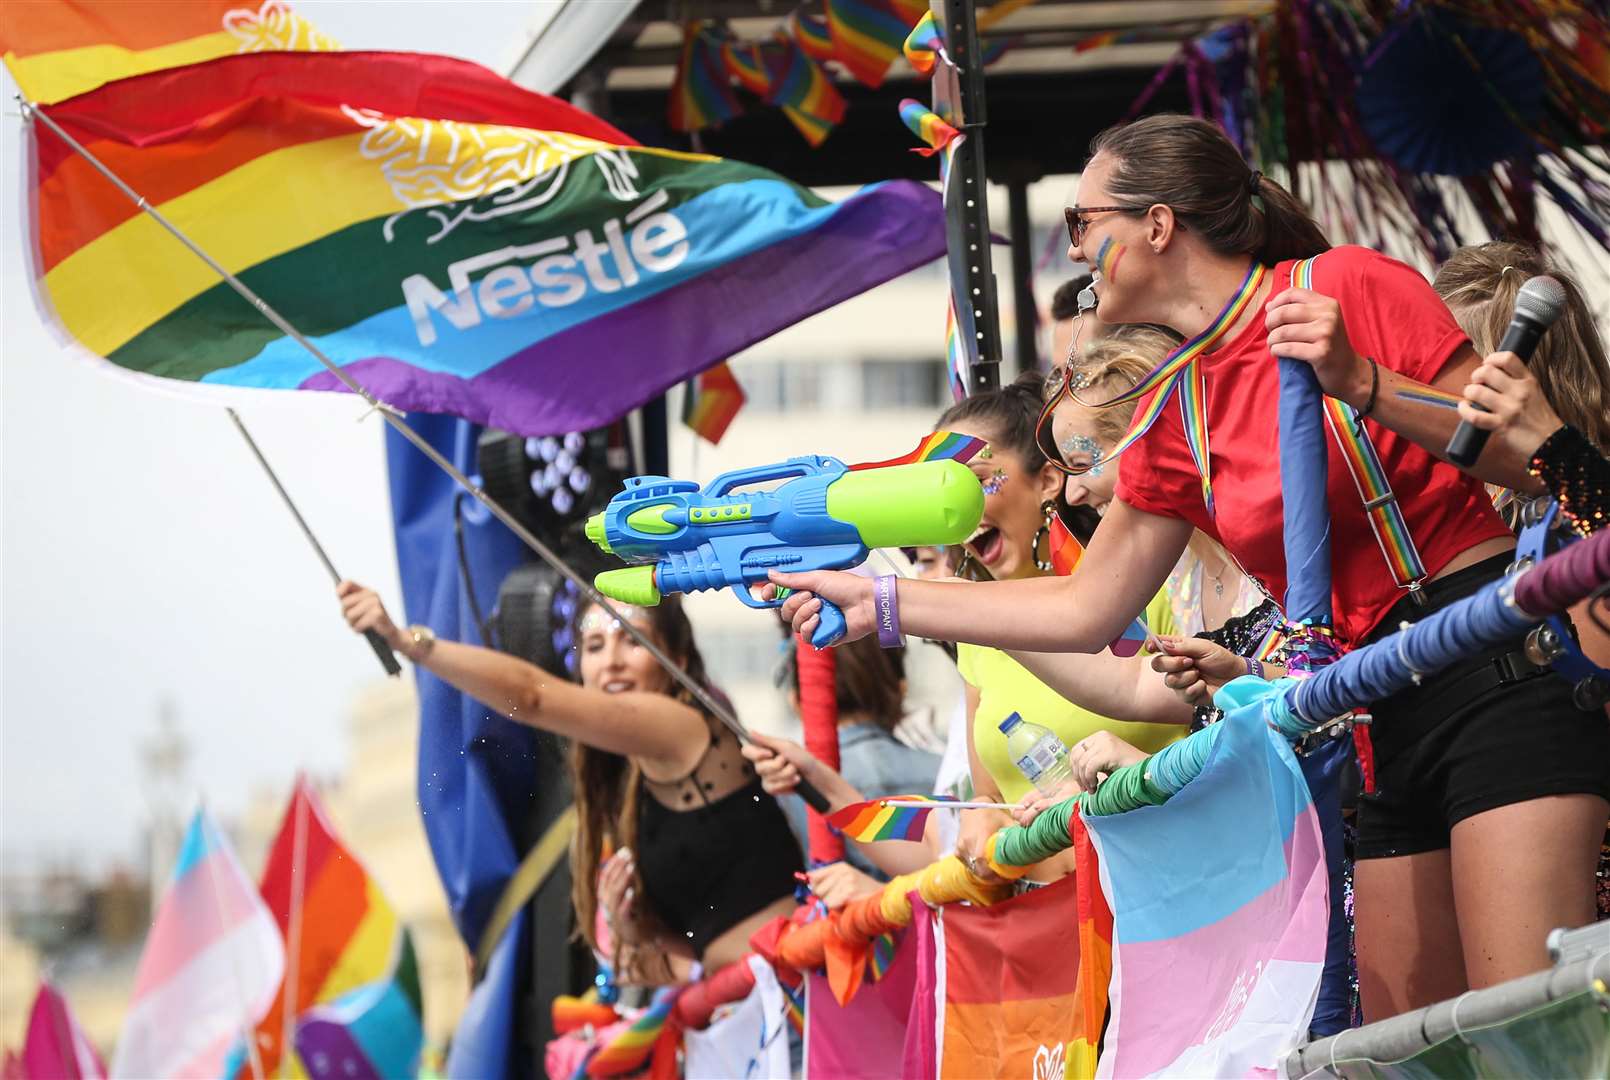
(995,483)
(1075,445)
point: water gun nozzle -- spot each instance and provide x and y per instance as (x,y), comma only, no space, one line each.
(598,534)
(630,585)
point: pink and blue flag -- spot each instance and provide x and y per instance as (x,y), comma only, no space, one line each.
(211,966)
(1219,902)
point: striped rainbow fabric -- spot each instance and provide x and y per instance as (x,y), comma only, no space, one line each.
(810,33)
(871,821)
(56,51)
(460,245)
(700,97)
(351,984)
(711,399)
(928,126)
(924,45)
(210,967)
(939,446)
(807,96)
(746,62)
(868,34)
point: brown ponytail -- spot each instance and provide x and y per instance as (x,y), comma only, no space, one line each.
(1190,166)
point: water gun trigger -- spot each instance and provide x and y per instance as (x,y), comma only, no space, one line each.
(751,600)
(830,625)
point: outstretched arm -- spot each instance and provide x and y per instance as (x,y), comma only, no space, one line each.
(645,725)
(1124,688)
(1126,563)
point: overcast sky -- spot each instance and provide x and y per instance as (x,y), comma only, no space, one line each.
(145,556)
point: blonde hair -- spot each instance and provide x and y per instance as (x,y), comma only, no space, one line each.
(1479,284)
(1109,365)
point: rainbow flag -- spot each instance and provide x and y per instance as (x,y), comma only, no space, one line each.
(54,1045)
(1066,551)
(60,50)
(868,34)
(871,821)
(940,446)
(351,983)
(747,62)
(957,362)
(700,97)
(807,96)
(927,126)
(710,400)
(997,989)
(810,33)
(647,1041)
(1219,906)
(211,965)
(1095,953)
(924,46)
(460,245)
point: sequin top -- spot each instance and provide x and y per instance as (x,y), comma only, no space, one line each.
(1578,476)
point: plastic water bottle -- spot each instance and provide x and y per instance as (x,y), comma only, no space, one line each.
(1037,752)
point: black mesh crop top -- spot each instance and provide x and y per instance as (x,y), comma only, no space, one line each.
(713,848)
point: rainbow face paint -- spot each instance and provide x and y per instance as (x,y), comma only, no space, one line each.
(1107,257)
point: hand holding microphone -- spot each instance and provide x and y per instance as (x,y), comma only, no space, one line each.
(1540,302)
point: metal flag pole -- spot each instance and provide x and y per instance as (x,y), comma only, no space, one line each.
(388,659)
(388,414)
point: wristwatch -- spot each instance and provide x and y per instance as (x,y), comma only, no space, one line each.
(423,639)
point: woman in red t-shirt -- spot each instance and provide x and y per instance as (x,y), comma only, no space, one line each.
(1492,788)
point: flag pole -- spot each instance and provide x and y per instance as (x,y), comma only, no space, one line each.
(388,659)
(293,932)
(389,415)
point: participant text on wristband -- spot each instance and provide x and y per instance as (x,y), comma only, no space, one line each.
(887,604)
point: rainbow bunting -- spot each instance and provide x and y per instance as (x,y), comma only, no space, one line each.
(56,51)
(710,400)
(700,96)
(871,821)
(747,63)
(925,45)
(459,244)
(927,126)
(810,33)
(350,977)
(940,446)
(807,96)
(868,34)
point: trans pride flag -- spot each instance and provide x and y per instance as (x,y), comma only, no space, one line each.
(210,968)
(1219,905)
(351,983)
(460,245)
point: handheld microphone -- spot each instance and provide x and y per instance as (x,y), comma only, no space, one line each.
(1540,302)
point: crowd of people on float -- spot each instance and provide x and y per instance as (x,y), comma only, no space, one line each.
(1478,827)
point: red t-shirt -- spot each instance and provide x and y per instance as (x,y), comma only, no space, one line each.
(1391,315)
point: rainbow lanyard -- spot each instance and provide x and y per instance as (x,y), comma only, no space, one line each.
(1180,369)
(1369,477)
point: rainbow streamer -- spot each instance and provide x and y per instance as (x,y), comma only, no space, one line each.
(868,34)
(1430,395)
(956,362)
(940,446)
(871,821)
(927,126)
(700,96)
(811,34)
(631,1049)
(806,95)
(924,46)
(747,63)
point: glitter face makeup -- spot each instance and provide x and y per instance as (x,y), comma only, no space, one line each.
(1077,445)
(986,453)
(597,620)
(995,483)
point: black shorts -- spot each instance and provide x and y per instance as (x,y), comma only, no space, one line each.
(1485,733)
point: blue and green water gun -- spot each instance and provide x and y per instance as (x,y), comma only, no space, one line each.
(824,516)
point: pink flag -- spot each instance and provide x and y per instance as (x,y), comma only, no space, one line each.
(211,966)
(864,1039)
(55,1045)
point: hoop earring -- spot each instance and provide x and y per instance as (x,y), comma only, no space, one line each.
(1045,566)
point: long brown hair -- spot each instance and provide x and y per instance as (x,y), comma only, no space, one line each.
(1190,165)
(1479,284)
(605,785)
(868,680)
